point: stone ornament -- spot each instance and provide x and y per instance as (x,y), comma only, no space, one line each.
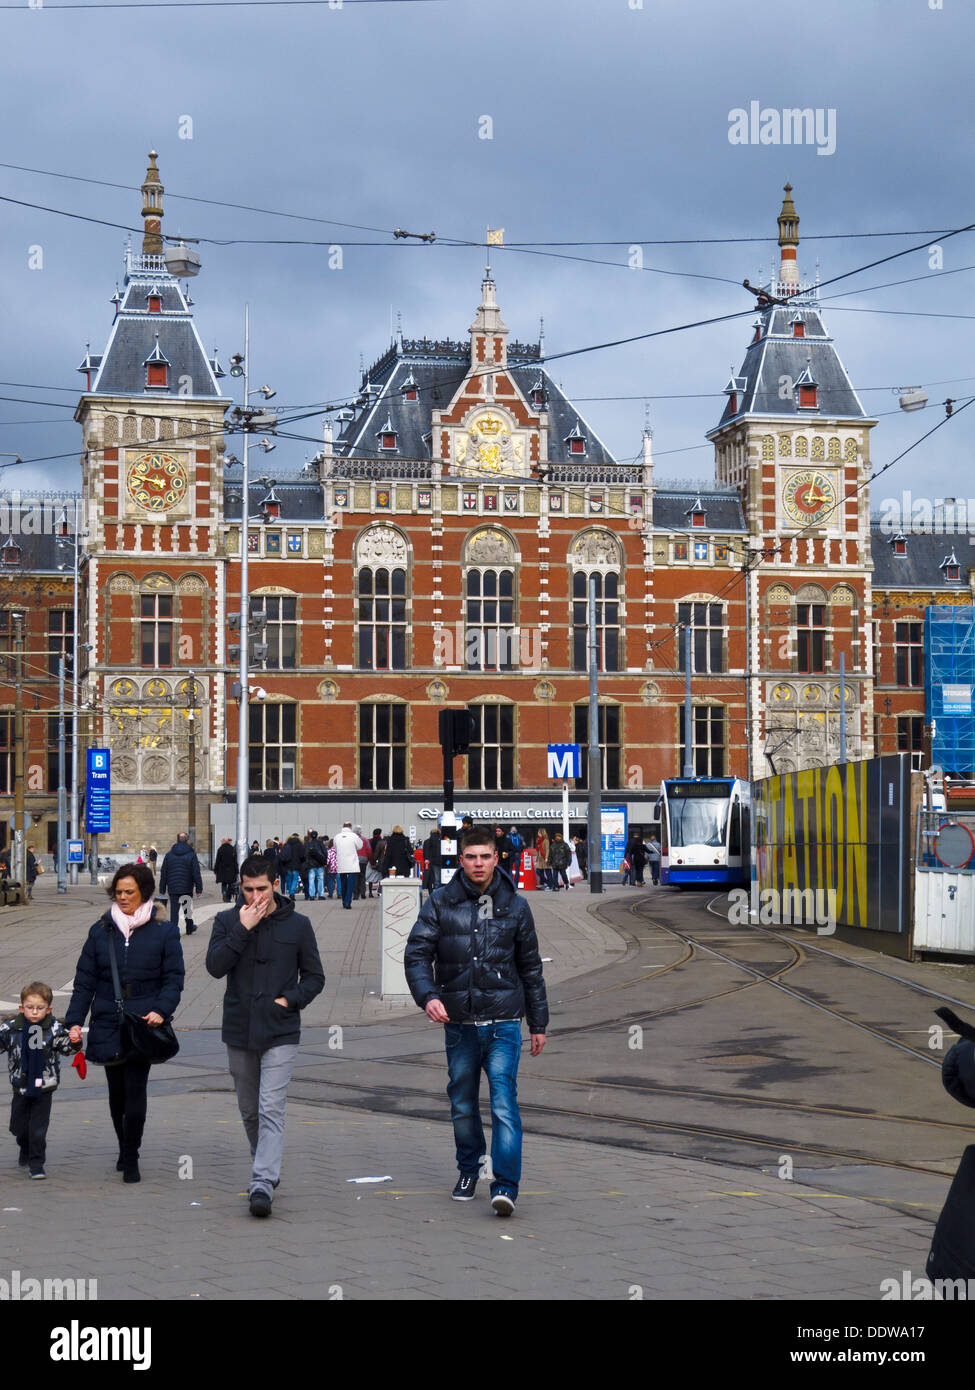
(490,548)
(381,545)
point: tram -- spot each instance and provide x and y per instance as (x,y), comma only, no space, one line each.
(704,831)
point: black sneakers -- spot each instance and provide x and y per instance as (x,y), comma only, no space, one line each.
(466,1188)
(37,1170)
(260,1202)
(503,1203)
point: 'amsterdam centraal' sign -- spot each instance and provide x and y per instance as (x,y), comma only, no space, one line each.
(507,813)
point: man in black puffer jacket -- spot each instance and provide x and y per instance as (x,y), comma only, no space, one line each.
(268,954)
(179,876)
(472,963)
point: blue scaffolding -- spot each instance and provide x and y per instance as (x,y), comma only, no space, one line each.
(949,686)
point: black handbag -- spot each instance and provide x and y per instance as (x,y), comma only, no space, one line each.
(952,1253)
(136,1037)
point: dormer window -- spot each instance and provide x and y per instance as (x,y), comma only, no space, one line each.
(951,568)
(387,437)
(576,441)
(899,544)
(807,389)
(410,389)
(155,303)
(271,506)
(11,554)
(157,368)
(735,391)
(697,514)
(798,327)
(757,335)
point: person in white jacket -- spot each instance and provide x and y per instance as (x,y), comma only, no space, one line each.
(347,845)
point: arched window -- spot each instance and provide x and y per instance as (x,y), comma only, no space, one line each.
(607,620)
(382,618)
(489,602)
(382,559)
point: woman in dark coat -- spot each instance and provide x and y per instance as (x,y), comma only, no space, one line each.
(399,854)
(150,967)
(431,862)
(225,868)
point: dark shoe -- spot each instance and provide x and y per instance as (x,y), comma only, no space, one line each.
(130,1171)
(190,928)
(120,1165)
(129,1156)
(260,1202)
(466,1188)
(23,1160)
(503,1203)
(37,1170)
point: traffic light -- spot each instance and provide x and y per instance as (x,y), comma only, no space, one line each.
(456,731)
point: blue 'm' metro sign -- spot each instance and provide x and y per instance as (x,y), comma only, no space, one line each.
(564,760)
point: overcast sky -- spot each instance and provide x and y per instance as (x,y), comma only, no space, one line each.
(609,123)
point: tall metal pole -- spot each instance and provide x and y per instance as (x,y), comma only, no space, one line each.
(18,859)
(62,790)
(191,808)
(842,707)
(595,760)
(74,684)
(243,726)
(688,710)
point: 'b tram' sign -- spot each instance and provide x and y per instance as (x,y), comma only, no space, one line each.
(98,792)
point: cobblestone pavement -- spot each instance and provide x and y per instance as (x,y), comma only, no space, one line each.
(594,1221)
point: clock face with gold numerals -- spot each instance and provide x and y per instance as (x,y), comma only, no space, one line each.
(157,481)
(808,495)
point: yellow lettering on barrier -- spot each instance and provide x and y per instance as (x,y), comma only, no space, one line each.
(832,835)
(856,850)
(789,879)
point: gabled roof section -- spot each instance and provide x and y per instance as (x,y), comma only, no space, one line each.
(139,336)
(672,508)
(921,566)
(778,357)
(438,370)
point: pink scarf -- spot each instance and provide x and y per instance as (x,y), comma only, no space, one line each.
(126,925)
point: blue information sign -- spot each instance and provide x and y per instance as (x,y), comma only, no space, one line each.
(76,851)
(613,831)
(98,792)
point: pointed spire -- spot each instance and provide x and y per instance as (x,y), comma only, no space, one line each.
(788,239)
(489,323)
(152,209)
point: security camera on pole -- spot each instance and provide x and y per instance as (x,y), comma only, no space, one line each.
(456,733)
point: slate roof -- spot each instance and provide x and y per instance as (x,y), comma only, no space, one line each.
(300,501)
(40,552)
(121,368)
(437,370)
(778,354)
(920,568)
(723,511)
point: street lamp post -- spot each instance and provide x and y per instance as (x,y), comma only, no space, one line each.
(75,542)
(18,860)
(191,809)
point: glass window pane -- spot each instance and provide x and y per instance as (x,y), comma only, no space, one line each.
(365,581)
(579,584)
(398,661)
(474,583)
(399,767)
(382,766)
(399,581)
(490,583)
(506,586)
(506,717)
(289,648)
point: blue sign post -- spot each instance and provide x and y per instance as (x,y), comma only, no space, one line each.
(98,792)
(613,832)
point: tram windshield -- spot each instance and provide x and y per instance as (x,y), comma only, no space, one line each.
(699,820)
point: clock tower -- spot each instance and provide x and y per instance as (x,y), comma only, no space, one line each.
(794,440)
(152,426)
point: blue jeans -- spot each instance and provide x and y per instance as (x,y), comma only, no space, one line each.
(347,883)
(261,1082)
(316,881)
(495,1048)
(330,881)
(291,882)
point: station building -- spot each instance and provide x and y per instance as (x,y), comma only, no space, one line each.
(438,551)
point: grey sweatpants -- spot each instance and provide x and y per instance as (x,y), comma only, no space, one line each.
(261,1082)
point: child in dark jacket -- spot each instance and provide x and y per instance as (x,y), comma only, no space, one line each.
(33,1043)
